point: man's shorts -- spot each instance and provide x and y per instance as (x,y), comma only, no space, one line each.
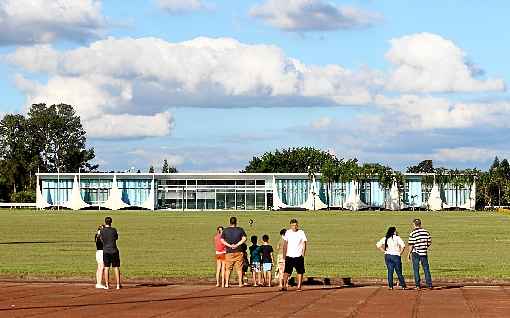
(234,260)
(267,267)
(111,259)
(99,256)
(255,267)
(295,262)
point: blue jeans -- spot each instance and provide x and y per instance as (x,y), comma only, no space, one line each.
(417,259)
(394,263)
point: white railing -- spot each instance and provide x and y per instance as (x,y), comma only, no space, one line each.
(18,205)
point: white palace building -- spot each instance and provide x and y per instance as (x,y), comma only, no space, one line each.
(240,191)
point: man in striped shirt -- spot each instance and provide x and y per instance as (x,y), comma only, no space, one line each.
(419,241)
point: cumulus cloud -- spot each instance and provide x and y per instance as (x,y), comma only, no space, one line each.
(412,112)
(102,103)
(147,76)
(312,15)
(426,62)
(182,6)
(26,22)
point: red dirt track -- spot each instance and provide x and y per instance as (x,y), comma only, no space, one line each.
(20,299)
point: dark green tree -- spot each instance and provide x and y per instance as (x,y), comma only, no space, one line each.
(165,168)
(151,169)
(426,166)
(291,160)
(60,138)
(16,152)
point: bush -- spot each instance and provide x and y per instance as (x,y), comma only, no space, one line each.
(23,197)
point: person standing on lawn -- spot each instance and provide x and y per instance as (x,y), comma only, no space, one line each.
(420,241)
(111,255)
(294,249)
(393,246)
(220,257)
(266,252)
(99,258)
(280,258)
(233,237)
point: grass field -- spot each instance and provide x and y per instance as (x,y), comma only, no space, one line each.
(178,245)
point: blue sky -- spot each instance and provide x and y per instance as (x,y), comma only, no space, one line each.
(208,83)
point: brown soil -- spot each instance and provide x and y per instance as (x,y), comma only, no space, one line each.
(44,299)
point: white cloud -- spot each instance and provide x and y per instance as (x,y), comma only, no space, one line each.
(468,154)
(312,15)
(156,156)
(182,6)
(426,62)
(130,126)
(321,123)
(147,76)
(412,112)
(44,21)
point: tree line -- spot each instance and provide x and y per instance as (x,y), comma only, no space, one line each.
(493,185)
(46,139)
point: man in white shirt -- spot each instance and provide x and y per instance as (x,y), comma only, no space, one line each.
(294,249)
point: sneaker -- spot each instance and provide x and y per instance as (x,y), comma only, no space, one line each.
(100,286)
(283,289)
(119,286)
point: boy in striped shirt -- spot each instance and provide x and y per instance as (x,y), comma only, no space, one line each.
(419,241)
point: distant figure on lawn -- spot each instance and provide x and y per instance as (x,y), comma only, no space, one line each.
(420,241)
(111,255)
(233,236)
(255,261)
(220,257)
(280,258)
(99,258)
(294,249)
(393,246)
(266,252)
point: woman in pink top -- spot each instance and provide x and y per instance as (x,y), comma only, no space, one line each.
(220,257)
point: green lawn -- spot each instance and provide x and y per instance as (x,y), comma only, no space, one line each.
(177,244)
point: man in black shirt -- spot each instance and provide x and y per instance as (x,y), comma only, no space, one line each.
(233,237)
(111,257)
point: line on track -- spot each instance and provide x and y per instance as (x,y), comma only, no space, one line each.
(471,306)
(328,293)
(240,310)
(416,305)
(355,312)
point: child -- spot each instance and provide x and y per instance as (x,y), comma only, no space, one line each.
(220,257)
(246,263)
(255,261)
(266,251)
(281,258)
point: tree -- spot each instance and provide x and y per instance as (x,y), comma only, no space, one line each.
(16,151)
(47,139)
(60,138)
(292,160)
(151,169)
(426,166)
(165,167)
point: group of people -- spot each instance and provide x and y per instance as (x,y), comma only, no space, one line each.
(232,253)
(107,254)
(393,247)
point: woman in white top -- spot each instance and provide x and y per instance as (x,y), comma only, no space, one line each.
(393,246)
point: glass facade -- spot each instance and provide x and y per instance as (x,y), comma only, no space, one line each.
(238,192)
(205,194)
